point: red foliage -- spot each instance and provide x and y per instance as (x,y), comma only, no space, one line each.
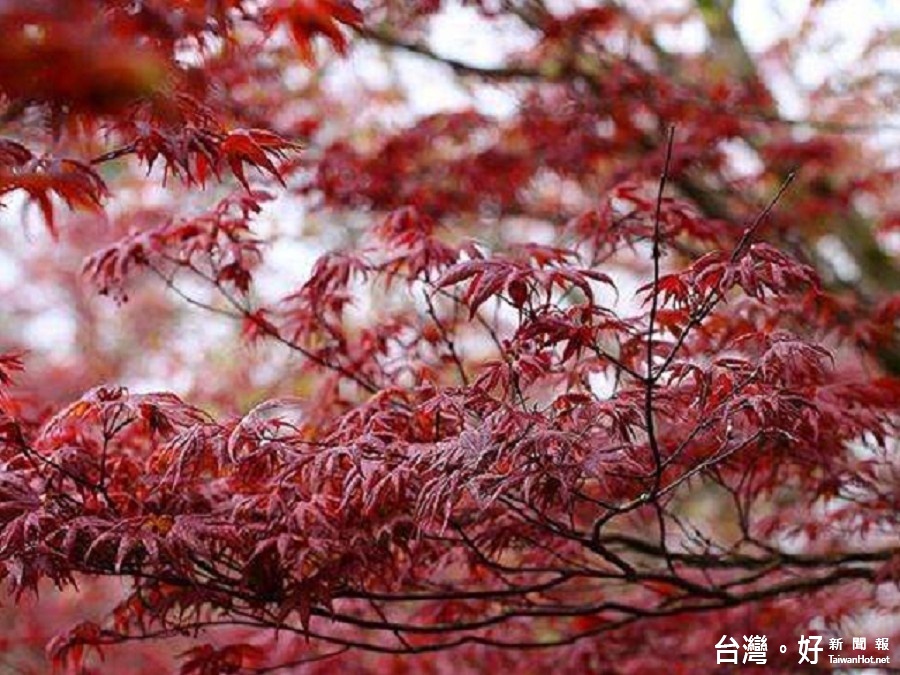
(305,19)
(76,183)
(488,453)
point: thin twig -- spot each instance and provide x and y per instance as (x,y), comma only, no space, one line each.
(650,383)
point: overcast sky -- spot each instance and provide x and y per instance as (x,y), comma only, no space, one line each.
(847,26)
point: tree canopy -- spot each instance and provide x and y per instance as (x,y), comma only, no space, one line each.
(588,366)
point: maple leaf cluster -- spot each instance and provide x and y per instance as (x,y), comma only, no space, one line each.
(564,382)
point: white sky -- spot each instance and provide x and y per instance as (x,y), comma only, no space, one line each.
(848,25)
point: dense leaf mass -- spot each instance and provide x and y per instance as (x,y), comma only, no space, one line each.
(574,391)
